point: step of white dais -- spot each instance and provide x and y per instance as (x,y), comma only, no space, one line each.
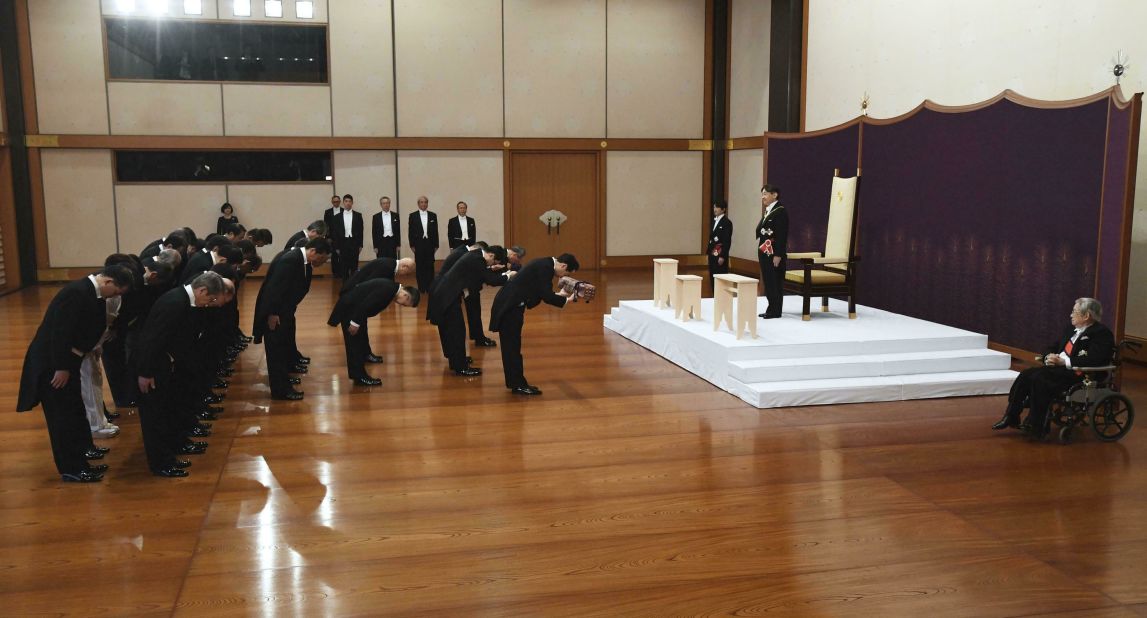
(868,389)
(867,365)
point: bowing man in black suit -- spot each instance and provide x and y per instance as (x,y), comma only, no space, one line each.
(772,249)
(72,326)
(380,268)
(444,310)
(385,231)
(166,356)
(472,297)
(1087,343)
(720,241)
(287,283)
(347,237)
(354,309)
(314,230)
(461,230)
(422,234)
(532,285)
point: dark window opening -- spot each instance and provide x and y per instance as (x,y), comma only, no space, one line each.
(177,49)
(222,166)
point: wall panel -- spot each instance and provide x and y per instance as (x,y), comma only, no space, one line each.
(652,199)
(283,209)
(367,175)
(157,108)
(749,68)
(745,179)
(79,206)
(147,212)
(656,70)
(555,68)
(446,178)
(68,62)
(448,56)
(250,109)
(362,75)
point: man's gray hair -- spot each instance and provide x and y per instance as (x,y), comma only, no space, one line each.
(212,281)
(1091,307)
(519,250)
(169,256)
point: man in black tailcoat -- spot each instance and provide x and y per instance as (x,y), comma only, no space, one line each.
(772,249)
(422,233)
(532,285)
(385,231)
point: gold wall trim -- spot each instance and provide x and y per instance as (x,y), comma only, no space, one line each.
(42,141)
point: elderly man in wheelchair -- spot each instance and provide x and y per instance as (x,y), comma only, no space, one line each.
(1076,383)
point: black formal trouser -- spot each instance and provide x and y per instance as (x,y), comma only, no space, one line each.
(1038,386)
(348,256)
(158,420)
(716,269)
(291,334)
(278,346)
(336,261)
(452,332)
(114,357)
(510,337)
(774,279)
(388,248)
(424,267)
(67,422)
(357,349)
(474,315)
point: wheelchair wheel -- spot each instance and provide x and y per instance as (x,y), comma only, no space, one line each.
(1060,413)
(1112,416)
(1065,434)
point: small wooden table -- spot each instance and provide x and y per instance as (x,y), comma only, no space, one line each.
(725,287)
(664,270)
(687,295)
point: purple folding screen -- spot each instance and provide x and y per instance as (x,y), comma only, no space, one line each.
(993,218)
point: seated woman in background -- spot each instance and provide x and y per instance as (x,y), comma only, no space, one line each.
(227,219)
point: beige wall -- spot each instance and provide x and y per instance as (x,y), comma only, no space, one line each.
(555,68)
(68,62)
(901,53)
(79,205)
(147,212)
(745,179)
(449,75)
(749,68)
(446,178)
(653,203)
(362,70)
(165,108)
(367,175)
(250,109)
(656,69)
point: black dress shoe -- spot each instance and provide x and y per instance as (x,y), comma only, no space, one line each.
(303,360)
(213,409)
(100,449)
(770,317)
(468,372)
(367,381)
(98,468)
(83,476)
(1005,422)
(192,449)
(111,416)
(199,432)
(171,472)
(213,398)
(94,453)
(298,369)
(221,383)
(289,396)
(182,463)
(373,358)
(225,372)
(526,390)
(294,380)
(245,338)
(207,416)
(486,342)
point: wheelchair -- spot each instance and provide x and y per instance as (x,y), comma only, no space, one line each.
(1096,401)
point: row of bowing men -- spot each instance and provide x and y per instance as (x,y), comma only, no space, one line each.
(165,325)
(372,288)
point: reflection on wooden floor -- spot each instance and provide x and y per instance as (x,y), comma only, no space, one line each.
(630,488)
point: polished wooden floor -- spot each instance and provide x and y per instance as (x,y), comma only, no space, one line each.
(630,488)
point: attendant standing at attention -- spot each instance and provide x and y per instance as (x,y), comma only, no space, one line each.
(422,232)
(347,238)
(461,230)
(384,231)
(329,216)
(772,248)
(720,241)
(228,219)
